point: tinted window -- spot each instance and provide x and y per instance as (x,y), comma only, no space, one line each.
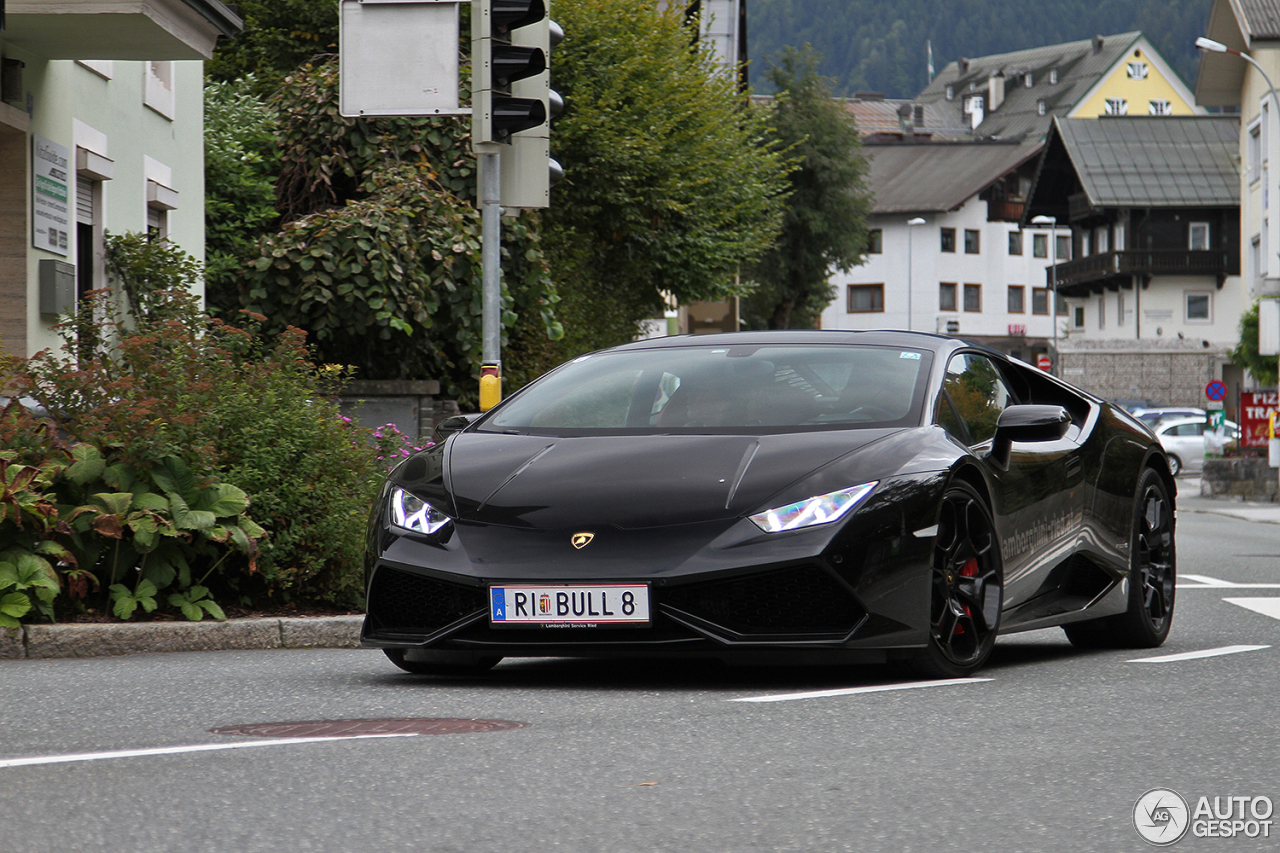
(744,388)
(978,394)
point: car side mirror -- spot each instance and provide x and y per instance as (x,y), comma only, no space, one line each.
(449,426)
(1027,423)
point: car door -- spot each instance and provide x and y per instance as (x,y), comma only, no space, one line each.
(1186,440)
(1037,497)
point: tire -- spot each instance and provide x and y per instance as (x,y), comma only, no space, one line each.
(1175,465)
(1152,577)
(424,662)
(966,589)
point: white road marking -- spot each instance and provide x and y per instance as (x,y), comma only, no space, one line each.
(1265,606)
(1205,582)
(176,750)
(849,691)
(1207,653)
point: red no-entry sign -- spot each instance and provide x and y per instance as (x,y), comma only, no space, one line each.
(1216,390)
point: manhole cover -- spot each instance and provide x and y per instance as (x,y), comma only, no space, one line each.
(356,728)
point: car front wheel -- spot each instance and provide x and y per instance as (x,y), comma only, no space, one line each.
(966,587)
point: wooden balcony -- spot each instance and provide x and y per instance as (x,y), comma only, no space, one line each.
(1005,210)
(1113,269)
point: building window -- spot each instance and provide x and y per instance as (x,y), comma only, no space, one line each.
(1199,237)
(973,297)
(951,92)
(1041,109)
(1015,242)
(1053,75)
(866,298)
(1039,300)
(971,244)
(1027,79)
(1255,258)
(1117,107)
(1199,307)
(1077,317)
(948,239)
(1064,248)
(1102,312)
(1017,296)
(1120,234)
(1138,71)
(1255,152)
(947,296)
(1100,240)
(157,90)
(875,241)
(1159,107)
(1040,245)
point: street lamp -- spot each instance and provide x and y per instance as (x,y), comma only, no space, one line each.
(919,220)
(1052,222)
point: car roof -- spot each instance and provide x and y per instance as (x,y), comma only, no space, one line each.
(878,337)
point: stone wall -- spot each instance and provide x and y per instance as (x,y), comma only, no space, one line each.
(1249,478)
(414,406)
(1173,372)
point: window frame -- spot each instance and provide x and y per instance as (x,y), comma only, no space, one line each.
(951,287)
(972,241)
(947,240)
(1021,292)
(877,300)
(974,288)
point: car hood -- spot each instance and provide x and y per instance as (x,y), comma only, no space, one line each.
(632,481)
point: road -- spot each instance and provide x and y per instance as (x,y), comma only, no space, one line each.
(1048,751)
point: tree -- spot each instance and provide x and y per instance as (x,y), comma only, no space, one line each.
(378,256)
(1265,368)
(825,224)
(670,184)
(278,37)
(240,167)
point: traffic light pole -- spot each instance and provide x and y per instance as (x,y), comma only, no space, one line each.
(491,278)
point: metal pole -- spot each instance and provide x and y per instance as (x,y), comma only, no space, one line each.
(491,275)
(1053,290)
(909,281)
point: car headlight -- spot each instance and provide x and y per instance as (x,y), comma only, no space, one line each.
(822,509)
(413,513)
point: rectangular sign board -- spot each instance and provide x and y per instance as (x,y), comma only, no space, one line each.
(1256,409)
(398,58)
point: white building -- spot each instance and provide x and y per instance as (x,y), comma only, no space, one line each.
(101,129)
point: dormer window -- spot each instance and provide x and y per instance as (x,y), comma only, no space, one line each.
(1053,75)
(1027,80)
(1040,108)
(951,93)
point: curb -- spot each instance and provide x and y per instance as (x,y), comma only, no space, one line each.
(80,640)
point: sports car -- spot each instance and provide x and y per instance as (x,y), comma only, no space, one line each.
(816,497)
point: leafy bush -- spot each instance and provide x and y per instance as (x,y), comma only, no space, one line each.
(192,437)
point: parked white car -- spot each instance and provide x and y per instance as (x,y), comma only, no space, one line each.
(1187,440)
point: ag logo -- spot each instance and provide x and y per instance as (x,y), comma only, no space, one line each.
(582,540)
(1161,816)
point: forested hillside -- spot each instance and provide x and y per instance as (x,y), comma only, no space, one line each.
(879,45)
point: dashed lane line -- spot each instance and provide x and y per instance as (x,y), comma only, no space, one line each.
(851,691)
(1205,653)
(177,750)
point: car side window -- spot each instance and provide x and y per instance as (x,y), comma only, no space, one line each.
(978,394)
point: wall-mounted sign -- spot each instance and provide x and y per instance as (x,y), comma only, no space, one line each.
(50,217)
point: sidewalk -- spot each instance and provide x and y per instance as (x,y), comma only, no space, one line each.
(1190,500)
(99,639)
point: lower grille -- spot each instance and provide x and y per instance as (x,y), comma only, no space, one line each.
(404,603)
(796,600)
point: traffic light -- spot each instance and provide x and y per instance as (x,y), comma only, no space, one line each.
(512,100)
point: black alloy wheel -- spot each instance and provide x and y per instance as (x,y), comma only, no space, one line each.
(1152,577)
(966,587)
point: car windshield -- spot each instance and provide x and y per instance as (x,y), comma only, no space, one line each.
(745,388)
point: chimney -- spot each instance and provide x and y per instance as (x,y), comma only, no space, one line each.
(995,91)
(905,123)
(1097,44)
(963,65)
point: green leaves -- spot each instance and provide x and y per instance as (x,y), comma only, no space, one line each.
(195,603)
(125,601)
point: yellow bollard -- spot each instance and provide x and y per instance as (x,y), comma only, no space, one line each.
(490,386)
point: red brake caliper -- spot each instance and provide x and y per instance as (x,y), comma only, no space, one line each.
(969,570)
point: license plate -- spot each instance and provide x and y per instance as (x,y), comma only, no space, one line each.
(569,606)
